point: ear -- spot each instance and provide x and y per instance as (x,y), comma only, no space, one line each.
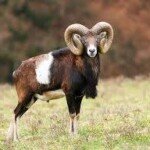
(77,41)
(103,35)
(76,36)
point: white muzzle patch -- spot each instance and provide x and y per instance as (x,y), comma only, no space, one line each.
(92,50)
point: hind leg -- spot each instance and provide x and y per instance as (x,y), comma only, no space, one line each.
(12,134)
(21,108)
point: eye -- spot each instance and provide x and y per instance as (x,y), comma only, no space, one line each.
(97,39)
(84,41)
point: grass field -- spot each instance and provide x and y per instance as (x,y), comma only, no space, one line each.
(119,118)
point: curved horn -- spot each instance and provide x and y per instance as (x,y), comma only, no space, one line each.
(79,29)
(104,43)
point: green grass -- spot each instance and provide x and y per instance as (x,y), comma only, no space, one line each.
(119,118)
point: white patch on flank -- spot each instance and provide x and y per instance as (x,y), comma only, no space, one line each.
(92,47)
(43,69)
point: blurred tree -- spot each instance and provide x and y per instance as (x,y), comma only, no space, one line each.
(29,28)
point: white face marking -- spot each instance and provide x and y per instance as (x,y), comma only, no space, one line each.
(92,50)
(43,70)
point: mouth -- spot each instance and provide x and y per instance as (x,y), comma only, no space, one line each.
(92,55)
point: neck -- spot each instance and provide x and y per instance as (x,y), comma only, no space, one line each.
(93,66)
(92,71)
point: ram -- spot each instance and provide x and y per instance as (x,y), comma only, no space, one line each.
(75,70)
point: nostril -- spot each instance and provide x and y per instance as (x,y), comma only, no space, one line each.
(91,50)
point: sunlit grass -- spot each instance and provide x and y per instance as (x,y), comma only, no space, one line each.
(118,119)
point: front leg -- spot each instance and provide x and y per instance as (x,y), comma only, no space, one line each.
(72,111)
(78,101)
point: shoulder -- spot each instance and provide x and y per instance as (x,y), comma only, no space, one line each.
(61,52)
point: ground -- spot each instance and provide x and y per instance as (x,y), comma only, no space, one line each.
(119,118)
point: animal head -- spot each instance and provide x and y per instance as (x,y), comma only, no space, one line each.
(97,39)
